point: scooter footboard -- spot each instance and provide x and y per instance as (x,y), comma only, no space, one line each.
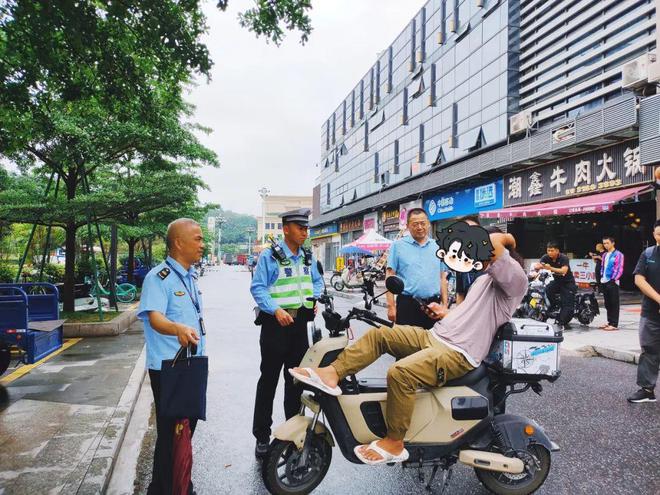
(295,430)
(517,435)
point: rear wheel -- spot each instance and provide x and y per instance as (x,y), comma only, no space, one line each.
(283,476)
(5,357)
(537,466)
(126,293)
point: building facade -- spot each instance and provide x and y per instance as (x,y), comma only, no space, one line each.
(488,106)
(274,206)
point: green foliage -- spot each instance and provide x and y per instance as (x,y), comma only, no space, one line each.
(270,18)
(7,272)
(53,272)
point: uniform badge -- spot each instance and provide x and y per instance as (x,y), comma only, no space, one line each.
(306,270)
(164,273)
(288,272)
(179,293)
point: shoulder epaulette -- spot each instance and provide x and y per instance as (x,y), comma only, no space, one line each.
(164,273)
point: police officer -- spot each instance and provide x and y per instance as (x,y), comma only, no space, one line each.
(171,311)
(285,277)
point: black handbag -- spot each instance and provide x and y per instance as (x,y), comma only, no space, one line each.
(183,382)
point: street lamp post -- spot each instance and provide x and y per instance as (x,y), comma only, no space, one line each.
(250,231)
(219,220)
(263,192)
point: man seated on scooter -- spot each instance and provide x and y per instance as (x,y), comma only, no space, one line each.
(454,346)
(563,284)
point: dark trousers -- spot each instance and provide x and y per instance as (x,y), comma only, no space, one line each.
(649,359)
(161,477)
(281,347)
(408,312)
(566,299)
(611,296)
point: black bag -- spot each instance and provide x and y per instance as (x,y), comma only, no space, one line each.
(183,383)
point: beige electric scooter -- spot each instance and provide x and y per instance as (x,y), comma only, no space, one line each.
(463,421)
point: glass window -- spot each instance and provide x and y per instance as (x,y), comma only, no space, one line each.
(376,168)
(396,156)
(279,226)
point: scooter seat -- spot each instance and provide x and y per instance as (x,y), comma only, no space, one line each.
(470,378)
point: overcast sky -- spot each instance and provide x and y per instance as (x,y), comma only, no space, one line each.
(266,104)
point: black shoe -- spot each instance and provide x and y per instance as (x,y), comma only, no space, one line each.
(642,395)
(261,449)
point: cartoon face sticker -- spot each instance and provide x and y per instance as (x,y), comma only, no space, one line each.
(464,247)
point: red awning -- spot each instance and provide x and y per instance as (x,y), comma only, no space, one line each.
(594,203)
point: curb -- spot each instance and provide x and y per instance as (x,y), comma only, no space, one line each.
(101,329)
(106,446)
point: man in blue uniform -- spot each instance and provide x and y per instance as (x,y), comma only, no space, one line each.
(171,312)
(285,277)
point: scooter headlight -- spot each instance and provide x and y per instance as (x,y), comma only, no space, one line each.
(313,333)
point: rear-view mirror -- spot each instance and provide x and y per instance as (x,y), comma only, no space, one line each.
(394,284)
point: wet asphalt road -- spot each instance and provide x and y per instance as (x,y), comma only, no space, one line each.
(608,445)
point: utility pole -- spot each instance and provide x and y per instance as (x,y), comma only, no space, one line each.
(250,231)
(263,192)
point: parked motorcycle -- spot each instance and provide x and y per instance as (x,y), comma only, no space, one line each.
(537,304)
(464,421)
(354,278)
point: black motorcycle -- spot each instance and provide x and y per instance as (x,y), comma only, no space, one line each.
(537,304)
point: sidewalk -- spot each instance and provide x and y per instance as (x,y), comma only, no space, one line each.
(622,345)
(64,421)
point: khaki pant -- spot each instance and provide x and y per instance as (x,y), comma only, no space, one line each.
(424,361)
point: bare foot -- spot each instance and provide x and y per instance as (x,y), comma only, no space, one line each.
(394,447)
(328,375)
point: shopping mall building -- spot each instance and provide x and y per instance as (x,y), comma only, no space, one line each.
(538,115)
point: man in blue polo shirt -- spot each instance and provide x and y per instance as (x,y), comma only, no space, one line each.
(413,259)
(171,313)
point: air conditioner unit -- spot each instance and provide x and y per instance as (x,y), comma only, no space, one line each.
(635,73)
(388,87)
(431,101)
(480,3)
(452,25)
(520,122)
(411,66)
(420,56)
(404,120)
(452,142)
(441,38)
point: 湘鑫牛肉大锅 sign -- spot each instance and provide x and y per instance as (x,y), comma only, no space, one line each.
(606,169)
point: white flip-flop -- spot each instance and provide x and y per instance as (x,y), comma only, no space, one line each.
(386,457)
(313,380)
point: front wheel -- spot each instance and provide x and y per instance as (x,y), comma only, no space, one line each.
(537,466)
(337,283)
(283,476)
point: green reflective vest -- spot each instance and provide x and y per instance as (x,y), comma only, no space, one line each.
(293,286)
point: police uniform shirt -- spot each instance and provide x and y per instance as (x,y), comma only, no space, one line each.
(165,292)
(267,272)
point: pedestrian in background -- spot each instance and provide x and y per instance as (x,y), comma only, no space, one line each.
(647,278)
(171,313)
(285,278)
(597,256)
(413,259)
(611,271)
(563,284)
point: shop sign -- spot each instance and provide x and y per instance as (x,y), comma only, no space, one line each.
(404,208)
(608,168)
(584,270)
(370,222)
(466,201)
(563,133)
(390,220)
(323,231)
(350,225)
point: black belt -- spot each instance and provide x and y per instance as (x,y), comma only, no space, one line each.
(426,300)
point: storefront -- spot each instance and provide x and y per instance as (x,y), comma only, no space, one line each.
(404,208)
(445,207)
(350,229)
(325,244)
(390,222)
(577,201)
